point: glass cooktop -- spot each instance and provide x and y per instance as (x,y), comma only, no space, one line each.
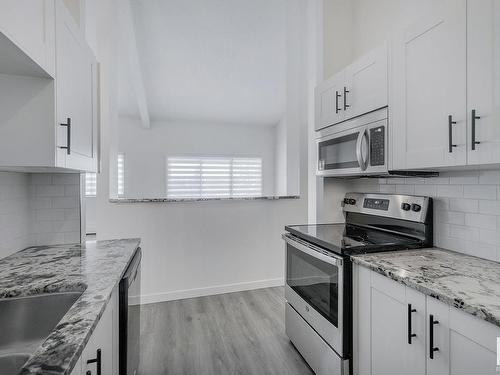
(351,239)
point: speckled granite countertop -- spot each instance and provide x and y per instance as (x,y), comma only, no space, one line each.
(465,282)
(94,268)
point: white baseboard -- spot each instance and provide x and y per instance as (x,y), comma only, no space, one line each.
(201,292)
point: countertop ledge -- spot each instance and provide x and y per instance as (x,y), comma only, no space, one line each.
(465,282)
(186,200)
(94,268)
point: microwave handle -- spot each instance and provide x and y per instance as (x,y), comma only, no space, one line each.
(363,136)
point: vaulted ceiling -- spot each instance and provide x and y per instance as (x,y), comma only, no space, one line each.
(208,60)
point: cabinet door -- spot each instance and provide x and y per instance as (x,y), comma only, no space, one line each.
(101,340)
(388,326)
(473,345)
(366,86)
(30,25)
(438,330)
(483,81)
(329,101)
(76,95)
(428,81)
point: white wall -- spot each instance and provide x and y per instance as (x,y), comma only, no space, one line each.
(146,150)
(198,248)
(90,215)
(280,162)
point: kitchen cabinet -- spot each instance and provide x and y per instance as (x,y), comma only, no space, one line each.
(445,87)
(76,92)
(428,90)
(29,24)
(395,327)
(77,370)
(329,105)
(35,133)
(366,83)
(483,81)
(360,88)
(101,349)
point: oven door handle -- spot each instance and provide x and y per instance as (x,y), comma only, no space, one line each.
(313,251)
(363,136)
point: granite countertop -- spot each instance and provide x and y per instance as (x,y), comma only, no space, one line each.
(468,283)
(93,268)
(184,200)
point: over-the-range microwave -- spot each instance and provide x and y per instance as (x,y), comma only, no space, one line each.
(357,147)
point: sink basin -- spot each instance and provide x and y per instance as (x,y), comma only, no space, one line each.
(26,322)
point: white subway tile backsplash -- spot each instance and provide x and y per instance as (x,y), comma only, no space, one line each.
(38,209)
(451,191)
(464,178)
(489,207)
(466,208)
(481,221)
(489,177)
(450,217)
(480,191)
(464,205)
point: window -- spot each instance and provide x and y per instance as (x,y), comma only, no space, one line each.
(90,184)
(121,174)
(213,177)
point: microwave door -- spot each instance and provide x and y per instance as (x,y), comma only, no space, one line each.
(346,154)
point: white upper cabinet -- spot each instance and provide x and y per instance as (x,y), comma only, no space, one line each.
(76,91)
(428,96)
(29,24)
(359,88)
(366,87)
(46,121)
(483,81)
(329,101)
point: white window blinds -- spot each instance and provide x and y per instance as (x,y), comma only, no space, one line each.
(121,174)
(213,177)
(90,184)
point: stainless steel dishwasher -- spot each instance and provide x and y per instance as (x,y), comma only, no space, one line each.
(130,317)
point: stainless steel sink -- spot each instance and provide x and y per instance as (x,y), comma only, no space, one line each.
(25,323)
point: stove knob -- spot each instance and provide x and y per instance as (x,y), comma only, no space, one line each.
(416,207)
(405,206)
(346,200)
(352,201)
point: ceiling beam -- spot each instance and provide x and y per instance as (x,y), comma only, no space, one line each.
(136,78)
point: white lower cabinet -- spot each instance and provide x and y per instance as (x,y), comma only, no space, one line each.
(102,348)
(393,333)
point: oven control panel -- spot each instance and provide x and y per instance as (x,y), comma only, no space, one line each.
(398,206)
(376,204)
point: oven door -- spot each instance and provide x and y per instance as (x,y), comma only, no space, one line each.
(358,151)
(314,288)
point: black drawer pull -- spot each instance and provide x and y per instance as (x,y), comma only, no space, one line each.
(97,361)
(345,98)
(432,349)
(473,129)
(337,96)
(450,133)
(68,136)
(410,334)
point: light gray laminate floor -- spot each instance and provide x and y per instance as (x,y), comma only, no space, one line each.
(235,334)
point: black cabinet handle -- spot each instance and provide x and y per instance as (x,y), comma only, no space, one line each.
(68,136)
(432,349)
(88,372)
(450,133)
(345,98)
(97,361)
(410,334)
(337,96)
(473,126)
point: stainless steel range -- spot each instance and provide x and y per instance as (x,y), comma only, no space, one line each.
(318,288)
